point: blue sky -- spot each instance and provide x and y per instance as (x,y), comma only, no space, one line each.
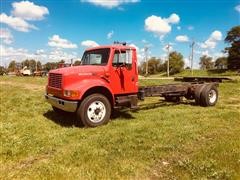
(51,30)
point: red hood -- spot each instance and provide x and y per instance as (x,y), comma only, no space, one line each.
(85,69)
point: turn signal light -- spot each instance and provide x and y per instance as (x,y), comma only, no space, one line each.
(71,93)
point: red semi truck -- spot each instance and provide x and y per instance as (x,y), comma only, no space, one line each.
(108,78)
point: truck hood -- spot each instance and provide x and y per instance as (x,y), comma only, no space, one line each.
(80,70)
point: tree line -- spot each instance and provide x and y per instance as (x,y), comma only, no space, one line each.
(33,65)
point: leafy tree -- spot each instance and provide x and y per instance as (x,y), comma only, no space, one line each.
(153,66)
(50,65)
(206,62)
(221,63)
(39,65)
(233,38)
(61,62)
(26,63)
(77,63)
(176,63)
(12,66)
(32,65)
(2,70)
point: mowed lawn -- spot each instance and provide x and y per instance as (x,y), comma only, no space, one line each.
(160,141)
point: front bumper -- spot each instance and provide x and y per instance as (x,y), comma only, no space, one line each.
(69,106)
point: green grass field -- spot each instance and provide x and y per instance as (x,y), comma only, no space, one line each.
(160,141)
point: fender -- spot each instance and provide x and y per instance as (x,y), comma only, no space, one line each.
(86,84)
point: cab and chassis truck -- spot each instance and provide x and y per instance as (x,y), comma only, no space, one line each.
(108,78)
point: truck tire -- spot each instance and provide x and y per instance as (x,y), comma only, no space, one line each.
(209,96)
(94,110)
(197,94)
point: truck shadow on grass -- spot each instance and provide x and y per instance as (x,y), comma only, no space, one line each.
(70,120)
(66,119)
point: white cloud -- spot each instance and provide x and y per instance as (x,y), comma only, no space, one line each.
(135,46)
(173,19)
(212,54)
(160,26)
(16,23)
(216,36)
(190,28)
(9,53)
(237,8)
(182,38)
(109,4)
(110,35)
(28,10)
(187,62)
(89,44)
(13,53)
(6,36)
(212,41)
(219,54)
(205,53)
(140,53)
(56,41)
(58,55)
(40,52)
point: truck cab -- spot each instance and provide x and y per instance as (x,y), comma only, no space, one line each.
(106,73)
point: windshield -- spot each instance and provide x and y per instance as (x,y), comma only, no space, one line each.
(95,57)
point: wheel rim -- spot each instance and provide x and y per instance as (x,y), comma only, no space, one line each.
(212,96)
(96,111)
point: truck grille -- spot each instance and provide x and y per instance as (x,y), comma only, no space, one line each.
(55,80)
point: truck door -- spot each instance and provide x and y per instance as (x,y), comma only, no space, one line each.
(124,73)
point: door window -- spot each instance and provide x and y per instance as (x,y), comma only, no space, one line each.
(122,58)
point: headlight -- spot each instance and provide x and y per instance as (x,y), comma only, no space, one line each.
(71,93)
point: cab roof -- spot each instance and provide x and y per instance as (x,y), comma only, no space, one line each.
(113,46)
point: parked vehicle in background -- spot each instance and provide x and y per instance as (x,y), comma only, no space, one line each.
(108,78)
(40,73)
(25,71)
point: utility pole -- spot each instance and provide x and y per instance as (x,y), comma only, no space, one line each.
(146,59)
(36,66)
(36,54)
(168,56)
(192,46)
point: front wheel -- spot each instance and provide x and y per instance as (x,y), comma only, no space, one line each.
(94,110)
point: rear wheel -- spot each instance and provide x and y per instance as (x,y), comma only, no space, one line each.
(197,94)
(209,96)
(94,110)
